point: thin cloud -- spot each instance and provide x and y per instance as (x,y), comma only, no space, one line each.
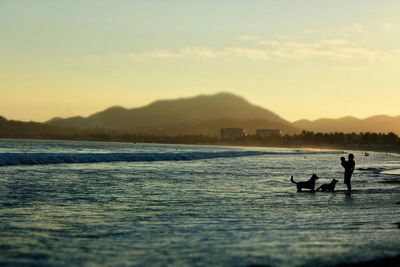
(387,25)
(332,44)
(357,28)
(264,50)
(201,53)
(249,38)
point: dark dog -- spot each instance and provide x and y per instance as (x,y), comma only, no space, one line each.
(310,184)
(328,187)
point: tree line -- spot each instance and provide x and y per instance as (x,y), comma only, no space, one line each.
(337,139)
(378,141)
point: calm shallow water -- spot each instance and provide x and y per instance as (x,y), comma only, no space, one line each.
(227,207)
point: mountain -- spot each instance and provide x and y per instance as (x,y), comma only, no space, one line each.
(379,123)
(19,129)
(204,114)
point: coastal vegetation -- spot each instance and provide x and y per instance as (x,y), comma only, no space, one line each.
(361,141)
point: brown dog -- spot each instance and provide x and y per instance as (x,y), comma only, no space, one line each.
(310,184)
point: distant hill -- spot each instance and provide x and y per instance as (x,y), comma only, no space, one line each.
(19,129)
(36,130)
(380,123)
(204,114)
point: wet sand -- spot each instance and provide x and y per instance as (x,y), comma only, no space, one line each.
(386,262)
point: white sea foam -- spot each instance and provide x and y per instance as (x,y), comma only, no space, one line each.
(11,158)
(59,158)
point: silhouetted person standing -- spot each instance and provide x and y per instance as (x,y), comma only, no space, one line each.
(348,166)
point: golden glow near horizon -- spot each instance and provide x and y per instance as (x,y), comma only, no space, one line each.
(303,59)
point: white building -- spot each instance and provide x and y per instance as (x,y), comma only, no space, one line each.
(232,133)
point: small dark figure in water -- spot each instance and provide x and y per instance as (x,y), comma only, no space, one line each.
(328,187)
(310,184)
(348,166)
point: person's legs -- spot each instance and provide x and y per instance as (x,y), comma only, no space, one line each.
(347,181)
(348,185)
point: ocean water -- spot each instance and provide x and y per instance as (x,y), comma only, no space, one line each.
(124,204)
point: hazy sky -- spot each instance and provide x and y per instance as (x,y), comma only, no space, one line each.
(298,58)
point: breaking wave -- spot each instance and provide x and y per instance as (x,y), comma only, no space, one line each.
(7,159)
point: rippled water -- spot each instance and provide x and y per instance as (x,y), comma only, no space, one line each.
(236,208)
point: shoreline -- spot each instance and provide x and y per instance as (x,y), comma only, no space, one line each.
(390,261)
(218,142)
